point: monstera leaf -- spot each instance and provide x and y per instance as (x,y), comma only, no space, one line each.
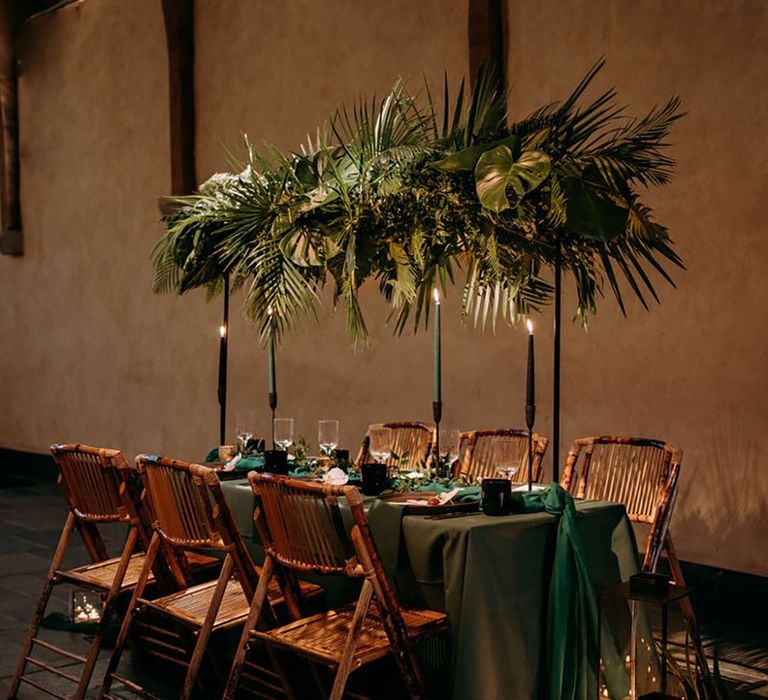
(497,169)
(467,158)
(590,212)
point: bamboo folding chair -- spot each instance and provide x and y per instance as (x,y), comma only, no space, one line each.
(191,515)
(91,480)
(478,451)
(302,529)
(412,443)
(641,474)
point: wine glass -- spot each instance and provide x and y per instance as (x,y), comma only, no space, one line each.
(506,457)
(283,432)
(328,436)
(380,445)
(450,441)
(244,428)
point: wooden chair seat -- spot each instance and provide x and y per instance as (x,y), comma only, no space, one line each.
(101,574)
(192,604)
(322,636)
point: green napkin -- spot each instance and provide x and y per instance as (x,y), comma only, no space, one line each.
(252,462)
(245,463)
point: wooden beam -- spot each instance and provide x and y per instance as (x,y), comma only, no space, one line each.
(486,37)
(180,38)
(11,241)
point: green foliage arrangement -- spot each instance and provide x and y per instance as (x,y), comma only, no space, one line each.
(409,193)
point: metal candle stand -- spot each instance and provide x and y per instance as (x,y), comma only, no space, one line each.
(437,414)
(530,418)
(556,363)
(273,407)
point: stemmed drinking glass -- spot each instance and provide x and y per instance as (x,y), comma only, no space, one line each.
(450,441)
(284,432)
(380,445)
(244,428)
(506,457)
(328,436)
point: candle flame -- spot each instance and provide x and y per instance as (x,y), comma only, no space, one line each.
(269,310)
(223,331)
(436,295)
(530,326)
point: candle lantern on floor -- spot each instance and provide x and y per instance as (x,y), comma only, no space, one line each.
(85,606)
(640,671)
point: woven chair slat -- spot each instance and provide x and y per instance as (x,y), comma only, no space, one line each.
(411,446)
(481,451)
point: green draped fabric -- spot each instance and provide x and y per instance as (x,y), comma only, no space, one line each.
(572,602)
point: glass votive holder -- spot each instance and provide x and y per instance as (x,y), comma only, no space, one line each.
(85,606)
(496,496)
(374,478)
(341,459)
(276,461)
(226,452)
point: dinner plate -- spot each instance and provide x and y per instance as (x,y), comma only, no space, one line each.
(424,508)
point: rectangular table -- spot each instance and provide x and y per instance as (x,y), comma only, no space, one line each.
(491,575)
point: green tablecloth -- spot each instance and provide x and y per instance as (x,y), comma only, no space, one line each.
(491,575)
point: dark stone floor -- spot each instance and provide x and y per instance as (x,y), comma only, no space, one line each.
(31,517)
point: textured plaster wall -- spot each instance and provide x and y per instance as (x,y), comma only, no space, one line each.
(89,354)
(693,369)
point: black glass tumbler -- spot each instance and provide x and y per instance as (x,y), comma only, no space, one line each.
(374,477)
(497,496)
(276,461)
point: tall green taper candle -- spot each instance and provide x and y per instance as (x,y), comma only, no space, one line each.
(438,388)
(271,357)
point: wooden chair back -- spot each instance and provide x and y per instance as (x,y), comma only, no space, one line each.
(640,473)
(90,478)
(302,529)
(415,440)
(191,512)
(628,470)
(301,524)
(182,502)
(478,453)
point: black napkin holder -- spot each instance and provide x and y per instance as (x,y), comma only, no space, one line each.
(649,584)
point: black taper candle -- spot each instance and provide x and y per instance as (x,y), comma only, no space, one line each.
(272,372)
(530,403)
(222,389)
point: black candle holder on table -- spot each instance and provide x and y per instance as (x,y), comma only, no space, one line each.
(496,496)
(276,461)
(374,477)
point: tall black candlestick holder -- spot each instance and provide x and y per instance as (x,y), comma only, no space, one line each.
(530,419)
(273,406)
(556,362)
(437,414)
